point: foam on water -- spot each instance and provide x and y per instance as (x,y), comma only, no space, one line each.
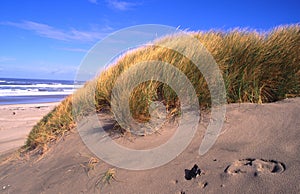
(33,90)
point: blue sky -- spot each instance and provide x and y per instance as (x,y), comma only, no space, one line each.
(49,38)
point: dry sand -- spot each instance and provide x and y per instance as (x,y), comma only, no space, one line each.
(257,152)
(16,122)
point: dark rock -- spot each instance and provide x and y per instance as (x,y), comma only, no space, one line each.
(193,173)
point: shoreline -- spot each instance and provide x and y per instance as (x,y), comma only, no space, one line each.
(28,105)
(12,100)
(17,120)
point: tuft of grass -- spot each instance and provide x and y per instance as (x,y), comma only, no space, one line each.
(107,177)
(90,165)
(256,67)
(51,127)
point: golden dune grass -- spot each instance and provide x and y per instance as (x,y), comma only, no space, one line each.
(256,67)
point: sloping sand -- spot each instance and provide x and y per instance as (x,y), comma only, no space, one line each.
(257,152)
(16,121)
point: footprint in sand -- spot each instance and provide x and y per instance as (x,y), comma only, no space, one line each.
(255,166)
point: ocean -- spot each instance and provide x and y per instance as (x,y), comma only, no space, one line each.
(28,91)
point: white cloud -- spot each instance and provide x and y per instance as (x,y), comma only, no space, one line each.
(6,59)
(61,70)
(121,5)
(46,70)
(93,1)
(45,30)
(74,49)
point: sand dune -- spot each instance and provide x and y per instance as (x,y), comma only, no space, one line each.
(257,152)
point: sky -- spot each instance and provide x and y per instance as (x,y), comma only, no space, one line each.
(48,39)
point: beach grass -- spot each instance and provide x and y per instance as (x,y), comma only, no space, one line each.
(256,67)
(107,177)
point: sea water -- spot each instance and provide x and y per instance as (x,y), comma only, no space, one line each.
(25,91)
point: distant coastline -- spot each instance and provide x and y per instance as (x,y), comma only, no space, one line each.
(30,91)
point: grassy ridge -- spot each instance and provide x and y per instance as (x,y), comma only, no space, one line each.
(256,67)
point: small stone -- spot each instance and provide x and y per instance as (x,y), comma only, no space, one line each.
(193,173)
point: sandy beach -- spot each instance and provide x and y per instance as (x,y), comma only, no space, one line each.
(257,152)
(149,97)
(17,120)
